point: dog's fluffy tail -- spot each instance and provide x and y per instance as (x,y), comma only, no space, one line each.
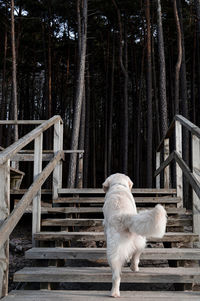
(148,223)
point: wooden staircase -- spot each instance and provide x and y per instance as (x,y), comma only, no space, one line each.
(70,253)
(69,250)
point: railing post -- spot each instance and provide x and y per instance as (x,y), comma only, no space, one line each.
(196,173)
(4,212)
(36,216)
(57,146)
(80,171)
(157,166)
(166,170)
(179,173)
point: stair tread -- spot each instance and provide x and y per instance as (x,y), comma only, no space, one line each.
(43,295)
(99,210)
(100,191)
(64,235)
(178,221)
(100,200)
(97,253)
(103,274)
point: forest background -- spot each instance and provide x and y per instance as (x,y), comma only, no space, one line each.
(121,69)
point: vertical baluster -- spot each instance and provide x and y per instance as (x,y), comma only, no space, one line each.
(166,155)
(157,166)
(196,173)
(179,173)
(57,146)
(36,216)
(4,212)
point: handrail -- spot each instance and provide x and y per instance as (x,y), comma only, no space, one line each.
(9,224)
(186,170)
(22,142)
(195,130)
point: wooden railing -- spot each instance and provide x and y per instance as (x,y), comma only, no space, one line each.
(192,175)
(33,195)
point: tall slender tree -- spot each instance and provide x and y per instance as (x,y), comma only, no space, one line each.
(14,69)
(178,63)
(79,96)
(149,98)
(162,81)
(124,68)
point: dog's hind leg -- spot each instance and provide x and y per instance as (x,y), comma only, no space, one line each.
(135,261)
(116,271)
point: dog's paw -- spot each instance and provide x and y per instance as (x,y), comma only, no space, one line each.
(115,294)
(134,268)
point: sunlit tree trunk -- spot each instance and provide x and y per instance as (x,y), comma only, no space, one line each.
(149,98)
(14,70)
(162,81)
(79,97)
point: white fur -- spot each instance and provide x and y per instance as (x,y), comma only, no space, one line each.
(125,230)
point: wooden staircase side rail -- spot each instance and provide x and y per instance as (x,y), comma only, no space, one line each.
(192,176)
(8,222)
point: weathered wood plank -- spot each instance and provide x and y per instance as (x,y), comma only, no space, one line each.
(188,174)
(22,142)
(37,168)
(58,295)
(100,200)
(97,236)
(158,160)
(189,125)
(4,212)
(166,170)
(96,274)
(100,191)
(196,173)
(66,222)
(179,173)
(100,253)
(99,210)
(10,223)
(57,146)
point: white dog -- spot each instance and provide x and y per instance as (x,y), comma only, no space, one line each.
(125,230)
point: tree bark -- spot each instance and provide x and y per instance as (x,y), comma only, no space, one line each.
(79,97)
(197,5)
(14,70)
(3,101)
(162,82)
(110,121)
(149,98)
(124,68)
(178,64)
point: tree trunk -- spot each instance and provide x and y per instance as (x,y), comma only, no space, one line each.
(14,70)
(110,121)
(124,68)
(178,64)
(79,97)
(162,82)
(3,101)
(197,4)
(87,132)
(149,98)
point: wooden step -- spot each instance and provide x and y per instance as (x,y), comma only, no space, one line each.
(100,200)
(103,274)
(99,236)
(66,222)
(135,191)
(69,210)
(78,295)
(100,253)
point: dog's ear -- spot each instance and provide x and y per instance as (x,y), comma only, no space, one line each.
(106,185)
(130,184)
